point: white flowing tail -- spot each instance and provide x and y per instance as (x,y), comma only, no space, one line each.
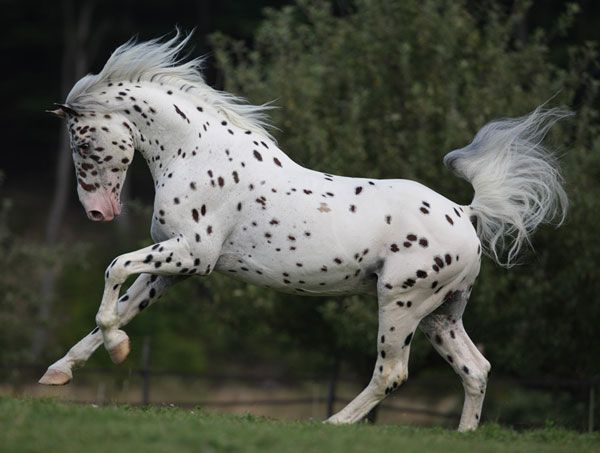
(516,180)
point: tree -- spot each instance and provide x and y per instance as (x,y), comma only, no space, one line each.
(79,47)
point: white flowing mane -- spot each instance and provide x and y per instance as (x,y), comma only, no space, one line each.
(161,62)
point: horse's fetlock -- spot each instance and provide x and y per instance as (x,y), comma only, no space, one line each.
(106,321)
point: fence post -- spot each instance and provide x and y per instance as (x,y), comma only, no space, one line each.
(331,394)
(591,406)
(146,371)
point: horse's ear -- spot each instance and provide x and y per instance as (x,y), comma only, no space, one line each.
(62,111)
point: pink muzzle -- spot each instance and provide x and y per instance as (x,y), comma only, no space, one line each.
(101,207)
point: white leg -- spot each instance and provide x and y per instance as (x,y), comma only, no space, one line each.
(141,294)
(171,257)
(396,329)
(404,300)
(445,330)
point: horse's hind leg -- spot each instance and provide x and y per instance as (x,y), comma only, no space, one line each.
(397,324)
(143,292)
(445,330)
(395,333)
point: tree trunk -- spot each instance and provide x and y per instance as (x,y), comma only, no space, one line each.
(74,65)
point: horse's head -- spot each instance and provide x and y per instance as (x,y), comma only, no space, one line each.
(102,145)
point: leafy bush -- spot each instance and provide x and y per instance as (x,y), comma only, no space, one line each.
(385,89)
(23,261)
(17,301)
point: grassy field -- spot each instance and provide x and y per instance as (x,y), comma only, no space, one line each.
(46,425)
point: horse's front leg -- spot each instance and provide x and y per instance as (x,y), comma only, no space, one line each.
(146,287)
(171,257)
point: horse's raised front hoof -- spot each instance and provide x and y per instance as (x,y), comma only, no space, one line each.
(55,377)
(119,353)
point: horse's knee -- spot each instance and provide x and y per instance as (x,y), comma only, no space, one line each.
(116,272)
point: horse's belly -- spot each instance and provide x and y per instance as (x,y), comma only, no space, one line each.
(301,277)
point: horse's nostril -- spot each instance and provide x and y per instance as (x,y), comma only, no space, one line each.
(96,215)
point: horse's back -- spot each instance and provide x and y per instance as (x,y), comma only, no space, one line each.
(393,212)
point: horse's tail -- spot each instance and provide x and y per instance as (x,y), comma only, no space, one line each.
(516,180)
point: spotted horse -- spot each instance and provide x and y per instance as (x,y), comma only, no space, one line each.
(229,200)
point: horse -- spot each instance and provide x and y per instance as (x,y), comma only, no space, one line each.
(228,200)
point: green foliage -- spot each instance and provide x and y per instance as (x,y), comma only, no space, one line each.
(23,261)
(32,425)
(511,403)
(17,300)
(385,89)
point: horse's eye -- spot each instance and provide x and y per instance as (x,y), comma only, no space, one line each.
(84,148)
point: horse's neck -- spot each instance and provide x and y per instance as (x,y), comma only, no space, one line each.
(163,125)
(173,127)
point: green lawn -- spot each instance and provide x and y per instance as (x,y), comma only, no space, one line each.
(50,426)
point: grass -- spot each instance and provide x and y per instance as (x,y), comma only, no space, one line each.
(32,425)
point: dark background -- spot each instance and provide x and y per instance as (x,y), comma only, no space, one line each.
(33,35)
(33,43)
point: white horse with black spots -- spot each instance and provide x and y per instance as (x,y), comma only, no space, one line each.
(229,200)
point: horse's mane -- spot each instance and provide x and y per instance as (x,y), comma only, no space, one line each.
(160,61)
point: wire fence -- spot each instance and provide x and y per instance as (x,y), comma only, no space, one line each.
(148,378)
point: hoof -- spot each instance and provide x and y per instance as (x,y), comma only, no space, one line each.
(55,377)
(333,420)
(119,353)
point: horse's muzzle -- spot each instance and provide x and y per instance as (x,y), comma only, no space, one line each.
(102,209)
